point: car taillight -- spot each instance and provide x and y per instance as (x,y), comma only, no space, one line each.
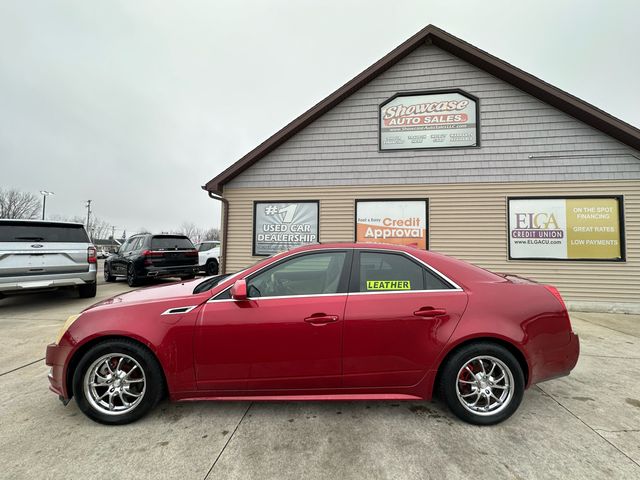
(192,253)
(91,255)
(152,253)
(554,291)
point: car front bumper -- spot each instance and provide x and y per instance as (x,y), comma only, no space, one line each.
(55,358)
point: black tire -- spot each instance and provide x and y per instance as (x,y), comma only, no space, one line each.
(153,389)
(449,380)
(108,277)
(132,276)
(211,267)
(88,290)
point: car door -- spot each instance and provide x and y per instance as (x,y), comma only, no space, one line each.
(398,317)
(286,335)
(116,261)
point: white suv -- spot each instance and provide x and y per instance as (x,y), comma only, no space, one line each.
(39,255)
(209,256)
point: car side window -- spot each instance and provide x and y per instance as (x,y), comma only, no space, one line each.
(135,245)
(381,271)
(310,274)
(125,246)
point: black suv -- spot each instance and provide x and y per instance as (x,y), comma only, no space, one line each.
(152,256)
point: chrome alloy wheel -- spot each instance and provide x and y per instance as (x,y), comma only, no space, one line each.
(485,385)
(114,384)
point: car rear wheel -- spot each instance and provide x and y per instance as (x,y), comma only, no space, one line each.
(88,291)
(482,383)
(132,276)
(211,267)
(108,276)
(117,382)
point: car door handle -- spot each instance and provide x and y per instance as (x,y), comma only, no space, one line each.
(430,312)
(321,319)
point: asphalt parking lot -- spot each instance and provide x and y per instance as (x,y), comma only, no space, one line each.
(583,426)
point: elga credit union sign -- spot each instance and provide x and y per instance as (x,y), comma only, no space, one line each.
(400,222)
(279,226)
(572,228)
(429,120)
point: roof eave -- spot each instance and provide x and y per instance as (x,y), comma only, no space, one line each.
(560,99)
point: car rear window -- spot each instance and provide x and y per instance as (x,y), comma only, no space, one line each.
(170,243)
(42,232)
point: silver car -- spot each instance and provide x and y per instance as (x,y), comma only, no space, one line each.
(41,255)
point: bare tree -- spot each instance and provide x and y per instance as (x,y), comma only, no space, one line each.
(197,234)
(211,234)
(17,204)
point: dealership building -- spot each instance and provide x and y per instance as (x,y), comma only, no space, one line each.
(443,146)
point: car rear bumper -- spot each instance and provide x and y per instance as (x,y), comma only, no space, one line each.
(44,282)
(55,358)
(558,362)
(181,271)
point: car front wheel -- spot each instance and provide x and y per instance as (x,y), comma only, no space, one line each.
(108,276)
(117,382)
(482,383)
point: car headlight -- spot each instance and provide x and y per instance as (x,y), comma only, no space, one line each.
(66,326)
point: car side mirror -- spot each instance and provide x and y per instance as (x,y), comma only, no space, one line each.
(239,290)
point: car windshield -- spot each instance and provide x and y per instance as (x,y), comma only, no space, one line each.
(167,242)
(211,282)
(42,232)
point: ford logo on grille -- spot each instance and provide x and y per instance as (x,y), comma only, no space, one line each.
(37,245)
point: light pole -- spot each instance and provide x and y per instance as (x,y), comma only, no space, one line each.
(45,194)
(88,205)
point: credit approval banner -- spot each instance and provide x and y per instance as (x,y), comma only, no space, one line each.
(279,226)
(571,228)
(399,222)
(428,120)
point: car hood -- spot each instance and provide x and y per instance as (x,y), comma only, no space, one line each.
(154,294)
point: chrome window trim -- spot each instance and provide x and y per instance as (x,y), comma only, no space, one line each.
(421,262)
(180,310)
(456,287)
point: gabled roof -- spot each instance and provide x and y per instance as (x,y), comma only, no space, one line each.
(526,82)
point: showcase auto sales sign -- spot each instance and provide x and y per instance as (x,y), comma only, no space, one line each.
(565,228)
(433,120)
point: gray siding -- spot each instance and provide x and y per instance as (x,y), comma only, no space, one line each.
(341,147)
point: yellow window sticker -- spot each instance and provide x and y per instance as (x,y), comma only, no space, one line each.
(388,285)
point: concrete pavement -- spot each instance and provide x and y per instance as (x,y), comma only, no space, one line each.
(586,425)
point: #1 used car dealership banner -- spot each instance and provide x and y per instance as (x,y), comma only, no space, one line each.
(428,120)
(400,222)
(587,228)
(279,226)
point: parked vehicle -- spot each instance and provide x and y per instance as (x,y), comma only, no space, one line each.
(40,255)
(321,322)
(147,256)
(209,256)
(102,253)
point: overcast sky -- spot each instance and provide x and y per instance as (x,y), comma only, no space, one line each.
(136,104)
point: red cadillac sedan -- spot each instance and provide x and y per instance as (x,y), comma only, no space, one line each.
(322,322)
